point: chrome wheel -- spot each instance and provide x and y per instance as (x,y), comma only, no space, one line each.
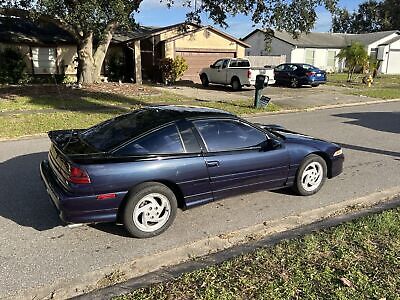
(312,176)
(151,212)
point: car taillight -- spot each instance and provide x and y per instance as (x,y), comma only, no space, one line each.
(78,176)
(310,73)
(249,74)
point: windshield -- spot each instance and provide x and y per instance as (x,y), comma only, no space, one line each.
(112,133)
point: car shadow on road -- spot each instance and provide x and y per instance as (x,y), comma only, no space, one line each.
(24,199)
(380,121)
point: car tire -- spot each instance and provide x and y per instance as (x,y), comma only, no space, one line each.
(314,85)
(204,80)
(236,86)
(310,176)
(150,209)
(294,82)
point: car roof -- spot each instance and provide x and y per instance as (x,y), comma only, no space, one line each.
(138,122)
(178,112)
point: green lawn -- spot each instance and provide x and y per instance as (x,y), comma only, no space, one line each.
(384,86)
(37,109)
(357,260)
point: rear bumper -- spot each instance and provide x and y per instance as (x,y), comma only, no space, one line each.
(315,81)
(78,208)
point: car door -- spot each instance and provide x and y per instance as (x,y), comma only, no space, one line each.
(279,70)
(170,154)
(220,75)
(236,160)
(214,70)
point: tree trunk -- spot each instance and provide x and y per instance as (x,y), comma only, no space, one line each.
(89,67)
(85,60)
(101,50)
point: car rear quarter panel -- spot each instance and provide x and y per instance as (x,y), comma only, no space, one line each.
(189,174)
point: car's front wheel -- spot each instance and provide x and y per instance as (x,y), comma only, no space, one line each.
(311,175)
(150,210)
(204,80)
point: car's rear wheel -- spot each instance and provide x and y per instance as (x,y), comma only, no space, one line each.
(311,175)
(204,80)
(294,82)
(150,210)
(314,85)
(236,86)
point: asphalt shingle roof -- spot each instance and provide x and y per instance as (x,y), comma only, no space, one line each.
(328,39)
(26,31)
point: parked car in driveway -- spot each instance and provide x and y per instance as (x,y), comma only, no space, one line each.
(235,72)
(138,168)
(296,75)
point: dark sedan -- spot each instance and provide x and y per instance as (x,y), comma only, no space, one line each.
(296,75)
(140,167)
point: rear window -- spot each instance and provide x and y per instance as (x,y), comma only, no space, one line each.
(309,67)
(239,63)
(163,141)
(111,133)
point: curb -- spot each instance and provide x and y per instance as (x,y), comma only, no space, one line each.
(132,269)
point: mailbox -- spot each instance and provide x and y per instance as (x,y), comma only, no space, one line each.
(259,85)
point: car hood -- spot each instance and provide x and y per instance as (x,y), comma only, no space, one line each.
(297,138)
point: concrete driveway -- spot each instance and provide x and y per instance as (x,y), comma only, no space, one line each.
(37,253)
(286,97)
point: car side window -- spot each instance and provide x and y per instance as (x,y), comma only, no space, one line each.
(218,63)
(225,64)
(225,135)
(162,141)
(280,68)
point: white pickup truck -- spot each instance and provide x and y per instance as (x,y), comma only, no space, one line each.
(236,72)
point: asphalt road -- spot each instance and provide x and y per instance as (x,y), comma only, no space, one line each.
(37,251)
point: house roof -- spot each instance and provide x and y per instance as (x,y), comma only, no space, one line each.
(26,31)
(326,39)
(395,39)
(143,32)
(229,37)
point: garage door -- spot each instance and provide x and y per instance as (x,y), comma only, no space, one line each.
(198,60)
(394,62)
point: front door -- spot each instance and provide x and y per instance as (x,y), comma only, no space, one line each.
(235,160)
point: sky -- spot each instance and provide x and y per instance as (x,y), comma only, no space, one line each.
(155,13)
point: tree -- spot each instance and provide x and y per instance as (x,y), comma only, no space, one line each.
(355,56)
(342,21)
(93,22)
(371,16)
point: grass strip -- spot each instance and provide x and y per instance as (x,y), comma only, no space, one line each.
(356,260)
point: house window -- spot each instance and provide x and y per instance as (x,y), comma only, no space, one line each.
(44,60)
(331,59)
(310,56)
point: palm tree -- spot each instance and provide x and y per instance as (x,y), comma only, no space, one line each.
(355,56)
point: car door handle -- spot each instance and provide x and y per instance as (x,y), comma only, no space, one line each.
(212,164)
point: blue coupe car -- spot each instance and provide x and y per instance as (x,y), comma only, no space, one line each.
(140,167)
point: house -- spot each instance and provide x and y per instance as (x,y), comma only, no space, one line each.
(320,48)
(198,45)
(49,49)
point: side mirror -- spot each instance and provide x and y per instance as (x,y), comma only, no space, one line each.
(270,144)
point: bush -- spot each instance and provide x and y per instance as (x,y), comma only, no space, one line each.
(172,69)
(12,66)
(115,68)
